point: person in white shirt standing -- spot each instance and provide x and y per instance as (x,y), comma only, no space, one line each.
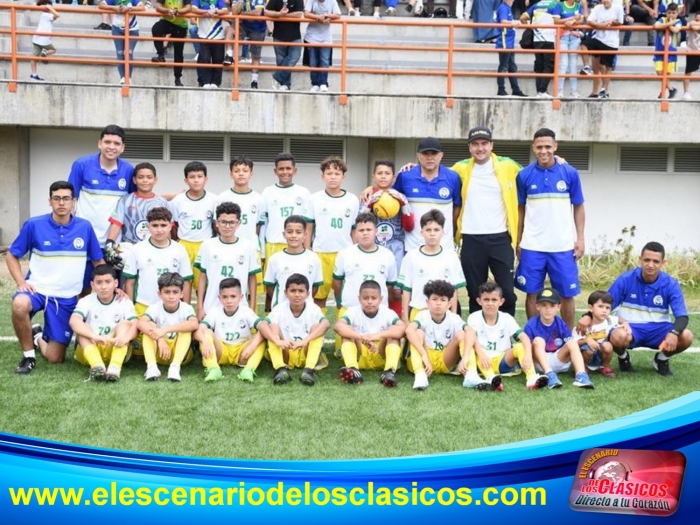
(42,43)
(319,32)
(602,18)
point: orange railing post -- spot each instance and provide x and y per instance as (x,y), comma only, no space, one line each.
(664,70)
(235,93)
(343,98)
(126,59)
(556,102)
(450,65)
(13,37)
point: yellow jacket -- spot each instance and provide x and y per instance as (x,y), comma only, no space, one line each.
(506,170)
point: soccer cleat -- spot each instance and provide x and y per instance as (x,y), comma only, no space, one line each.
(282,376)
(607,372)
(499,388)
(553,379)
(497,383)
(351,375)
(152,373)
(174,373)
(662,367)
(97,373)
(420,382)
(472,380)
(37,333)
(625,363)
(212,374)
(158,58)
(26,365)
(308,377)
(583,381)
(254,84)
(113,374)
(247,375)
(586,70)
(388,378)
(536,381)
(228,60)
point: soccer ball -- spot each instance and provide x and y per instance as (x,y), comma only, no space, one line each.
(386,207)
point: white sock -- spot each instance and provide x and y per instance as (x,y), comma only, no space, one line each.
(254,77)
(660,356)
(229,54)
(29,353)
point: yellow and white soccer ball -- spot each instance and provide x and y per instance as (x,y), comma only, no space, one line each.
(387,206)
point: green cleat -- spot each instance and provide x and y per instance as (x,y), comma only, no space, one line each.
(213,374)
(247,375)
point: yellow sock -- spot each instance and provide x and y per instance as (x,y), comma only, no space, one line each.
(211,361)
(393,353)
(149,350)
(471,361)
(182,346)
(118,356)
(254,360)
(416,360)
(487,373)
(276,356)
(349,352)
(313,352)
(93,356)
(519,353)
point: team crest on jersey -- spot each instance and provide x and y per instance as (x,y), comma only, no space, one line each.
(447,273)
(347,212)
(117,318)
(242,324)
(298,201)
(310,269)
(122,184)
(210,215)
(561,185)
(141,230)
(385,232)
(241,258)
(558,341)
(444,192)
(658,300)
(448,334)
(382,269)
(175,262)
(253,209)
(215,257)
(324,211)
(502,334)
(78,243)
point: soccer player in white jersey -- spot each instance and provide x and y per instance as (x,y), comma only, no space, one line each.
(226,334)
(296,338)
(435,336)
(226,256)
(371,334)
(331,217)
(193,213)
(104,325)
(429,262)
(293,259)
(490,333)
(167,328)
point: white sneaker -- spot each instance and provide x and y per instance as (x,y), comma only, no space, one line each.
(246,60)
(152,373)
(324,88)
(687,96)
(376,15)
(314,89)
(276,86)
(536,382)
(472,380)
(574,94)
(544,95)
(356,13)
(174,373)
(284,88)
(121,80)
(352,12)
(421,381)
(391,11)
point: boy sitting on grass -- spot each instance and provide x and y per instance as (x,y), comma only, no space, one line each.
(552,344)
(371,331)
(226,334)
(495,354)
(435,336)
(167,328)
(104,326)
(296,337)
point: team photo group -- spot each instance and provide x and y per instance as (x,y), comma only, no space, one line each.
(234,279)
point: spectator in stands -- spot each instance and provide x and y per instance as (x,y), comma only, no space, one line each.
(483,12)
(42,43)
(285,32)
(251,30)
(506,40)
(323,11)
(353,7)
(602,18)
(671,22)
(692,63)
(570,14)
(174,24)
(119,29)
(543,12)
(211,32)
(646,12)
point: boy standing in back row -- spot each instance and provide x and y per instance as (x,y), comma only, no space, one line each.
(506,40)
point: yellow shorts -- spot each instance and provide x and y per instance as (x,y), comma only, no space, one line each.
(231,354)
(171,344)
(137,344)
(297,359)
(370,361)
(272,248)
(327,264)
(259,289)
(105,352)
(436,361)
(671,67)
(413,313)
(338,341)
(192,248)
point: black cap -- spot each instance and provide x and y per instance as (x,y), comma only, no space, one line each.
(429,144)
(480,132)
(548,295)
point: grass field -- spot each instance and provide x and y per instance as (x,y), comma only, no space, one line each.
(329,421)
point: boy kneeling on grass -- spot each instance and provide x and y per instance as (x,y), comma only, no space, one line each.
(552,345)
(167,327)
(435,336)
(296,334)
(371,332)
(491,332)
(104,326)
(226,334)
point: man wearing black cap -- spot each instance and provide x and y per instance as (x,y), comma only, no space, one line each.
(487,225)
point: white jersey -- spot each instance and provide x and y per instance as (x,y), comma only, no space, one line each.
(354,266)
(104,317)
(418,268)
(159,315)
(333,218)
(599,332)
(358,320)
(295,328)
(439,335)
(194,218)
(146,262)
(251,213)
(280,202)
(497,338)
(283,264)
(234,329)
(220,260)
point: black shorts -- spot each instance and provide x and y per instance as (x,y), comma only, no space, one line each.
(593,44)
(692,64)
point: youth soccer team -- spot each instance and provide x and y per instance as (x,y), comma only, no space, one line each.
(391,307)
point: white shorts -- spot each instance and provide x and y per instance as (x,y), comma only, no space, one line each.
(554,363)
